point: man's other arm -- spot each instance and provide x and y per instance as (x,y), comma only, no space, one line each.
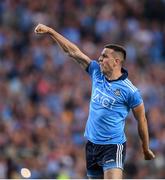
(71,49)
(139,113)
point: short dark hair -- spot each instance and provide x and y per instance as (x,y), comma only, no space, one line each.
(118,48)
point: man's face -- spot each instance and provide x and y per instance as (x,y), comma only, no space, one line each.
(107,61)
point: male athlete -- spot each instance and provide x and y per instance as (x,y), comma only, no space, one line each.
(113,95)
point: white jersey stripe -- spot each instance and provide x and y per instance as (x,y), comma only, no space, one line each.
(120,156)
(117,163)
(121,153)
(129,82)
(128,86)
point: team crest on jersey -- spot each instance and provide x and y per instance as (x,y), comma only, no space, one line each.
(117,92)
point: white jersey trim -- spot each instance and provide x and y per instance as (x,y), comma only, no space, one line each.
(129,85)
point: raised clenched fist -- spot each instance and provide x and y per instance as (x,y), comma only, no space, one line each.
(41,28)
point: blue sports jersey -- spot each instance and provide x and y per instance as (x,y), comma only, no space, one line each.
(110,104)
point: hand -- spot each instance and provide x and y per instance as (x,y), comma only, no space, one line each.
(41,29)
(148,154)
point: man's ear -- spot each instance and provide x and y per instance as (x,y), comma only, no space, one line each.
(117,61)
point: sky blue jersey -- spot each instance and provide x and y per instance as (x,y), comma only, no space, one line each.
(110,104)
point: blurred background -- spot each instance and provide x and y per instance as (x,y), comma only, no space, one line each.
(44,95)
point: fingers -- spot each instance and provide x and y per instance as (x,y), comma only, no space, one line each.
(149,155)
(40,28)
(36,30)
(153,155)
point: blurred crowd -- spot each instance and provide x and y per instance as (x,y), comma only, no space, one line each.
(44,95)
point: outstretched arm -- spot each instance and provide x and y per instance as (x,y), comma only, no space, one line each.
(71,49)
(139,113)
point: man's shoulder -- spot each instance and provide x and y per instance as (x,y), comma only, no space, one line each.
(129,86)
(93,65)
(94,62)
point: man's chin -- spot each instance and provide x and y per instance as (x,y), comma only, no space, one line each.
(102,70)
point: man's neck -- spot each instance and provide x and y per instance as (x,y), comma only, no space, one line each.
(115,75)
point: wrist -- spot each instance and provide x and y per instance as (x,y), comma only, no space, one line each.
(145,148)
(50,30)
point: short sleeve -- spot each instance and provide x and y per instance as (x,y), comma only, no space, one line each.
(135,99)
(92,67)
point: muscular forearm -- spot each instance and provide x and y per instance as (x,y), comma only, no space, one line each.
(139,114)
(65,44)
(143,133)
(70,48)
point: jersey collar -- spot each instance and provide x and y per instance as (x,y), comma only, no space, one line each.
(122,77)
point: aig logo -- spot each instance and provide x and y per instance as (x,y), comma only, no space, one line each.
(103,99)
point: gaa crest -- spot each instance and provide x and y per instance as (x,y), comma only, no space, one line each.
(117,92)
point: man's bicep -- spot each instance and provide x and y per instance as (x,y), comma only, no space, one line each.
(81,59)
(84,61)
(139,111)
